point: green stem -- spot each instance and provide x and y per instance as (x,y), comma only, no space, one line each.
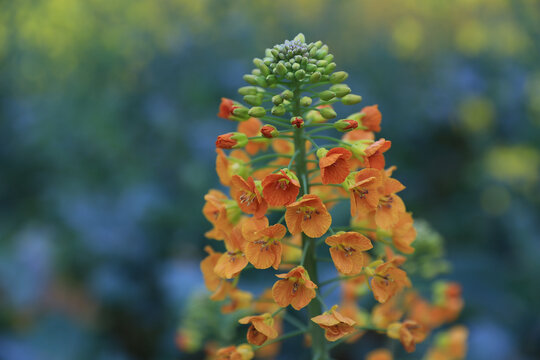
(281,338)
(319,348)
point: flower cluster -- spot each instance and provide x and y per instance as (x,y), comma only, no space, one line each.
(278,212)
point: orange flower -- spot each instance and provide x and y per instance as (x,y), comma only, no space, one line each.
(365,191)
(281,189)
(404,233)
(233,261)
(220,213)
(379,354)
(388,281)
(231,140)
(296,289)
(228,166)
(308,215)
(351,310)
(261,329)
(358,134)
(450,345)
(334,165)
(408,332)
(242,352)
(346,250)
(335,324)
(372,118)
(223,290)
(383,315)
(226,108)
(239,300)
(374,157)
(252,127)
(269,131)
(264,247)
(248,196)
(390,206)
(211,280)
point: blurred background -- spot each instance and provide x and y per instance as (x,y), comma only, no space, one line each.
(107,129)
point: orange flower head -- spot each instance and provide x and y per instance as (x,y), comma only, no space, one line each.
(335,324)
(248,196)
(269,131)
(233,261)
(364,191)
(226,109)
(281,189)
(408,332)
(335,165)
(374,157)
(235,164)
(261,328)
(251,128)
(390,206)
(308,215)
(232,140)
(346,249)
(372,118)
(239,300)
(295,289)
(264,247)
(241,352)
(383,315)
(297,122)
(219,211)
(388,281)
(345,125)
(211,280)
(379,354)
(404,233)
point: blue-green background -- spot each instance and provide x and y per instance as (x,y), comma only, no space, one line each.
(107,128)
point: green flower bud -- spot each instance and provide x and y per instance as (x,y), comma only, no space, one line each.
(287,94)
(305,101)
(322,52)
(280,69)
(328,113)
(278,110)
(318,44)
(251,79)
(300,74)
(329,57)
(256,72)
(241,112)
(276,99)
(313,51)
(254,100)
(322,63)
(261,81)
(338,77)
(271,79)
(311,68)
(329,68)
(300,37)
(351,99)
(257,112)
(248,90)
(321,152)
(327,95)
(345,125)
(315,77)
(295,66)
(289,76)
(340,90)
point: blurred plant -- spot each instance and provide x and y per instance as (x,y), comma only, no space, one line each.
(304,184)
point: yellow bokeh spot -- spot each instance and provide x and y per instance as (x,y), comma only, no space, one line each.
(514,164)
(407,37)
(495,200)
(471,38)
(476,114)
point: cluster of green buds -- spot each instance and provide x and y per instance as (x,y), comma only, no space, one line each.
(300,62)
